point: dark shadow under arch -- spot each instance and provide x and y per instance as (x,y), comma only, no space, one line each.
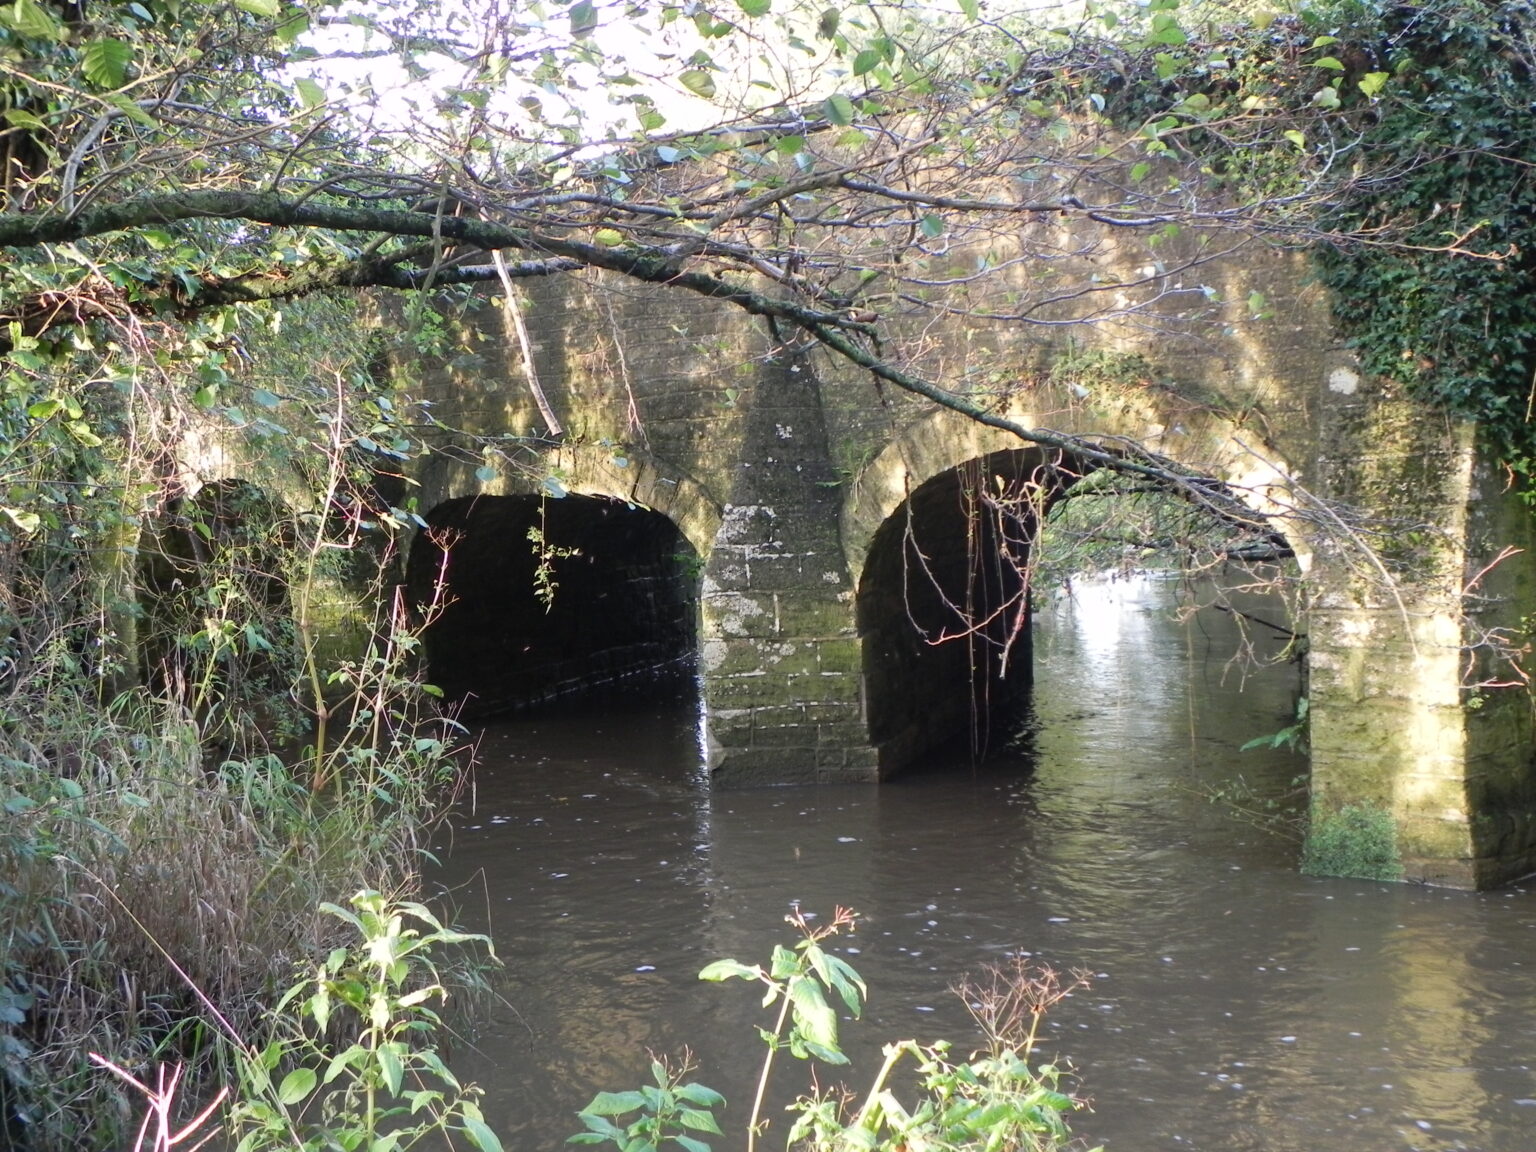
(529,599)
(943,608)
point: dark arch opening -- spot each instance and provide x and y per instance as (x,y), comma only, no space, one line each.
(943,606)
(529,599)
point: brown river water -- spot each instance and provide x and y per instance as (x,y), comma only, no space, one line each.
(1235,1003)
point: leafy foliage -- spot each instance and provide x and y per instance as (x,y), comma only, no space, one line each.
(1352,841)
(1442,311)
(380,1086)
(992,1102)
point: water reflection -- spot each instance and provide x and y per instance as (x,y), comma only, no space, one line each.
(1237,1004)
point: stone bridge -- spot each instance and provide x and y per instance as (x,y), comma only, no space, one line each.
(713,492)
(716,492)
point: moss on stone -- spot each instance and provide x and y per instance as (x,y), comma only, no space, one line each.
(1356,840)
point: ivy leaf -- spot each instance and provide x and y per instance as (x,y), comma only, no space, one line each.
(1372,83)
(105,62)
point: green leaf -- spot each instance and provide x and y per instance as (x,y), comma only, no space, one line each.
(310,93)
(814,1017)
(30,19)
(297,1085)
(699,1121)
(701,1095)
(971,8)
(866,61)
(105,62)
(933,226)
(728,969)
(17,118)
(480,1134)
(1326,98)
(1139,171)
(266,8)
(1329,62)
(614,1103)
(390,1066)
(838,109)
(699,82)
(1372,83)
(1295,137)
(692,1145)
(608,237)
(755,7)
(583,18)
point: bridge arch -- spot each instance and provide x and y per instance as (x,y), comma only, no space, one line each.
(530,597)
(944,440)
(938,533)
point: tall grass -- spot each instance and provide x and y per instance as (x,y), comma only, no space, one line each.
(188,766)
(141,871)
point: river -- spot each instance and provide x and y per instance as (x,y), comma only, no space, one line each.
(1235,1004)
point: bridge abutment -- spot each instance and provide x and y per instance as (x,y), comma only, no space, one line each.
(1421,715)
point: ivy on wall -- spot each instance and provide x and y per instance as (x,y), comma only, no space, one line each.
(1399,138)
(1450,157)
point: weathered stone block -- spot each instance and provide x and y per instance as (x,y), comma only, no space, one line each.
(818,615)
(757,767)
(819,689)
(846,656)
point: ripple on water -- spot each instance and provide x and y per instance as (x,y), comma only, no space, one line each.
(1236,1004)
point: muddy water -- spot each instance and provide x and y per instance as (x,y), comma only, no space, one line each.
(1236,1004)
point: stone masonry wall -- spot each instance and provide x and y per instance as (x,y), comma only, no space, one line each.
(780,465)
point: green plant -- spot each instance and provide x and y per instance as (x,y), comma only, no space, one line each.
(1293,736)
(1352,841)
(667,1110)
(378,1085)
(994,1101)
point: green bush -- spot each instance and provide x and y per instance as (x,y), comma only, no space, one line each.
(1352,841)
